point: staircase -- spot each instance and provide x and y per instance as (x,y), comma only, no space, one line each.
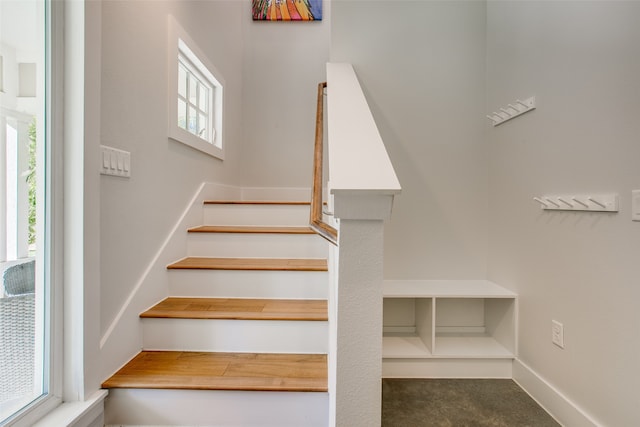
(243,338)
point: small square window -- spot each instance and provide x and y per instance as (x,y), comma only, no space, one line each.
(195,96)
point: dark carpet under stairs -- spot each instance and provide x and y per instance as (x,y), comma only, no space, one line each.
(459,403)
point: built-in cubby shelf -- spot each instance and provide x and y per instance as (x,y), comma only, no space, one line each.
(448,319)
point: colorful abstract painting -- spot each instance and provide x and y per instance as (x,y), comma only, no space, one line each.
(287,10)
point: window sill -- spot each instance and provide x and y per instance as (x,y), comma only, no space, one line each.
(76,414)
(196,143)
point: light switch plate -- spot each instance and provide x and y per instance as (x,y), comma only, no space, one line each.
(115,162)
(635,205)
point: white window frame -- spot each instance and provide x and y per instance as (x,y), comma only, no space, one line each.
(181,45)
(68,403)
(50,261)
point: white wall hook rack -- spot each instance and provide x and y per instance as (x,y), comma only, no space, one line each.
(595,203)
(512,110)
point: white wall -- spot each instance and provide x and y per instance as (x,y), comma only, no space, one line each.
(137,214)
(422,67)
(271,72)
(283,64)
(582,61)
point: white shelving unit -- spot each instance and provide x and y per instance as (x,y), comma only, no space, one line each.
(448,320)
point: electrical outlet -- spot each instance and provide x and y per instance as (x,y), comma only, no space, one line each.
(557,333)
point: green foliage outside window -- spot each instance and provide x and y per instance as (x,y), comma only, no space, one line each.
(31,181)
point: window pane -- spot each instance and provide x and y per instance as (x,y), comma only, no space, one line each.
(193,89)
(182,114)
(23,326)
(204,99)
(193,118)
(203,127)
(182,81)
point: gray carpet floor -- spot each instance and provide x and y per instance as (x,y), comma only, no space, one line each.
(459,403)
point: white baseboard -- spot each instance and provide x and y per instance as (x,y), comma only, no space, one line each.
(551,399)
(89,413)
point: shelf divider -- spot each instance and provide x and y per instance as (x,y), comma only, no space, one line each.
(425,318)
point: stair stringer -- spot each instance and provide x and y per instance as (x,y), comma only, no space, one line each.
(123,338)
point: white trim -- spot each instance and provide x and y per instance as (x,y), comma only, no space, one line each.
(399,288)
(72,231)
(35,411)
(55,111)
(180,42)
(78,414)
(49,263)
(559,406)
(447,368)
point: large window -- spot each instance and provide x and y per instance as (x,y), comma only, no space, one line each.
(195,95)
(26,311)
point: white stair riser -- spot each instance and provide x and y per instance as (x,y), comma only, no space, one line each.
(244,336)
(255,245)
(276,215)
(216,408)
(249,284)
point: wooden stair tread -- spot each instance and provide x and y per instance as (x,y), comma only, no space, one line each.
(255,202)
(238,309)
(271,264)
(250,229)
(223,371)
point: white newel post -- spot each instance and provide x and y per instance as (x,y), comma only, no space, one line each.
(358,311)
(362,183)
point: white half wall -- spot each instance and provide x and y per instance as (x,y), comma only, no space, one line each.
(581,61)
(422,67)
